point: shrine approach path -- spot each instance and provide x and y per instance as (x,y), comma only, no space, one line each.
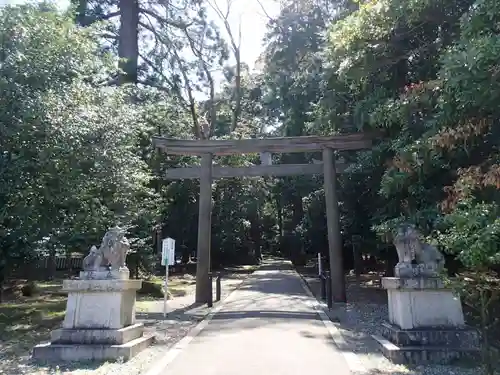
(267,327)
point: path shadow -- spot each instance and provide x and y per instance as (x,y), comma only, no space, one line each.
(182,311)
(275,277)
(278,315)
(239,321)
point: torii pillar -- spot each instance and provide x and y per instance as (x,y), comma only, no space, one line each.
(337,278)
(203,262)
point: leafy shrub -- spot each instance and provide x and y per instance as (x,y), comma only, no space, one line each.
(30,289)
(152,289)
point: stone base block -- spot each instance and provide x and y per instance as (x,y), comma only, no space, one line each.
(460,337)
(100,304)
(422,302)
(418,355)
(97,336)
(70,352)
(426,323)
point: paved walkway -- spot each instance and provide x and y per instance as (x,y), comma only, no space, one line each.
(266,327)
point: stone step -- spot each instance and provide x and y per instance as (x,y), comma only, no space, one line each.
(68,352)
(419,355)
(97,336)
(463,337)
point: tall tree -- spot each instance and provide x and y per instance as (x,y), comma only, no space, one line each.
(173,47)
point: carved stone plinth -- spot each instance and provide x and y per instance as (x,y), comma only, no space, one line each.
(99,323)
(408,270)
(100,303)
(102,274)
(422,302)
(426,323)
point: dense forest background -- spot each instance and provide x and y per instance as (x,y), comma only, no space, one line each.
(83,91)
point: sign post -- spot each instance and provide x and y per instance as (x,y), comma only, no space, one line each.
(167,259)
(320,268)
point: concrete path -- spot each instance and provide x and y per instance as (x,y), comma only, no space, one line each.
(267,327)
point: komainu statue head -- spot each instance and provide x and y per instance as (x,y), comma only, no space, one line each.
(406,242)
(112,253)
(415,256)
(115,247)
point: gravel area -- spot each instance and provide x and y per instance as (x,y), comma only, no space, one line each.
(360,318)
(183,315)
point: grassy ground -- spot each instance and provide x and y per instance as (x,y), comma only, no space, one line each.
(178,286)
(28,321)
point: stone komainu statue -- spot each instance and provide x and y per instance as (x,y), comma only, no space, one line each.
(416,257)
(111,254)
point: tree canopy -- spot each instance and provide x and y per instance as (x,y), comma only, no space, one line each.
(83,92)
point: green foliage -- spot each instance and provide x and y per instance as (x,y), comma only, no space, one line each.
(425,77)
(151,289)
(70,164)
(472,232)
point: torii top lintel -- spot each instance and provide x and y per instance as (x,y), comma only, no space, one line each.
(354,141)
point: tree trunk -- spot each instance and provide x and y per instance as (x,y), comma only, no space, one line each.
(256,235)
(295,242)
(51,266)
(487,359)
(237,89)
(297,207)
(81,11)
(2,279)
(391,261)
(357,260)
(279,210)
(128,48)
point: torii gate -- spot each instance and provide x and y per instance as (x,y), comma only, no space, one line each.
(206,173)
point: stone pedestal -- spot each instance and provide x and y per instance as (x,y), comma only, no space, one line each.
(422,302)
(426,323)
(99,323)
(106,304)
